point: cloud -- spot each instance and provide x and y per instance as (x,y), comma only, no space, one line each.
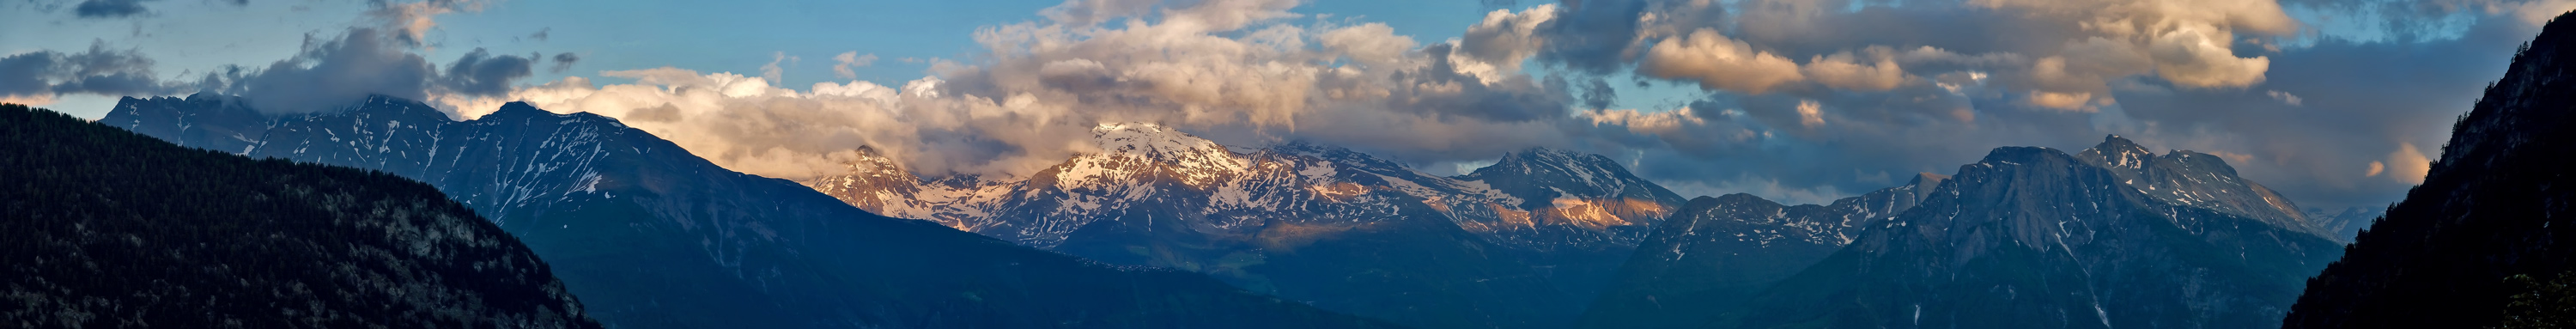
(564,61)
(2062,101)
(771,71)
(2195,57)
(1841,70)
(2285,98)
(410,22)
(109,8)
(1718,62)
(480,73)
(1805,100)
(1238,71)
(1506,38)
(1371,44)
(2404,165)
(331,73)
(41,75)
(845,63)
(1810,114)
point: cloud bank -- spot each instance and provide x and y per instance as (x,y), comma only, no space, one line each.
(1799,100)
(1804,100)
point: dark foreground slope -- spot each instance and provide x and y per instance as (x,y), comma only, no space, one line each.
(108,228)
(2488,210)
(653,237)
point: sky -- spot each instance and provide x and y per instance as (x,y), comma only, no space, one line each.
(2334,103)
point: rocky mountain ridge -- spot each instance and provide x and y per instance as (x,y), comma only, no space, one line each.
(654,237)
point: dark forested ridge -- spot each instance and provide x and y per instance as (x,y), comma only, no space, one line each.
(651,236)
(108,228)
(2489,210)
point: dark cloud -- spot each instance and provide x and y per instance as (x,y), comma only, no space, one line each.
(98,71)
(1596,93)
(542,34)
(1474,99)
(335,72)
(1592,36)
(564,61)
(331,73)
(481,73)
(108,8)
(2360,101)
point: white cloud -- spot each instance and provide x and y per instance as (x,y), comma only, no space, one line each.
(1718,62)
(1505,38)
(2408,165)
(1841,71)
(2285,97)
(413,20)
(1372,44)
(771,71)
(1224,69)
(2062,101)
(2197,56)
(1810,113)
(845,64)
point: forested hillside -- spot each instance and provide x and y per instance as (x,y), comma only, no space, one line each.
(112,229)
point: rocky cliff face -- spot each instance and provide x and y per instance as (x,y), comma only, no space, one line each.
(653,237)
(108,228)
(2198,180)
(2489,209)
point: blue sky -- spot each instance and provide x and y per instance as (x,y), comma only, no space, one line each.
(2333,102)
(710,36)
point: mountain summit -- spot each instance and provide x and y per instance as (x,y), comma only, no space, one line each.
(2196,179)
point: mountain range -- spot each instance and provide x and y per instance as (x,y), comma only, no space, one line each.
(2112,236)
(2177,239)
(1162,228)
(651,236)
(1520,243)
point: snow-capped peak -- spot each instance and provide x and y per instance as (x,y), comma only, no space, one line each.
(868,161)
(1196,160)
(2119,153)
